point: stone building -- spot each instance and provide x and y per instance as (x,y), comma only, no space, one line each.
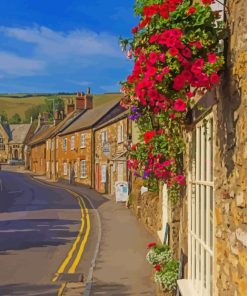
(13,139)
(208,226)
(76,142)
(111,142)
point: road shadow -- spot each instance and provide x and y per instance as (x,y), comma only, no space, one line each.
(31,233)
(113,289)
(28,290)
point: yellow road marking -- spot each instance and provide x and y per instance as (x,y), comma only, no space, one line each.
(83,243)
(61,290)
(73,249)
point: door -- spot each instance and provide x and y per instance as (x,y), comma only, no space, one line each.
(16,154)
(112,187)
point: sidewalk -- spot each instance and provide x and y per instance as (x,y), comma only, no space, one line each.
(121,268)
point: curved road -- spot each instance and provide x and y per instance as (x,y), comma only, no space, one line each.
(38,227)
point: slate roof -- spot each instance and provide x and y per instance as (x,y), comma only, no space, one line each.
(19,132)
(91,117)
(47,131)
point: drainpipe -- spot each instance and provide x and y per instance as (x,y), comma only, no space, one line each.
(92,158)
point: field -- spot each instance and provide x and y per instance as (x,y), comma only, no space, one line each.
(19,103)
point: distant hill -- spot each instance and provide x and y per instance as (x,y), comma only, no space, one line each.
(19,103)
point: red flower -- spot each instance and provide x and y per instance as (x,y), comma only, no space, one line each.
(151,10)
(173,51)
(208,2)
(148,136)
(178,82)
(212,58)
(144,22)
(134,30)
(154,38)
(186,52)
(153,57)
(179,105)
(159,77)
(191,10)
(151,245)
(157,267)
(181,179)
(214,78)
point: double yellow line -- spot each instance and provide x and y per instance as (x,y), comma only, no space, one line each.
(82,240)
(79,239)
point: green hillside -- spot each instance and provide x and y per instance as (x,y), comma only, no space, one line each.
(19,103)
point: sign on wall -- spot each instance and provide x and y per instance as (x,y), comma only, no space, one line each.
(103,173)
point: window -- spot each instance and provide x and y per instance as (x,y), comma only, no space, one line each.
(56,166)
(103,137)
(65,144)
(53,167)
(75,169)
(47,166)
(120,134)
(65,169)
(52,144)
(120,168)
(103,173)
(1,139)
(83,141)
(47,144)
(72,143)
(200,203)
(56,143)
(2,147)
(83,169)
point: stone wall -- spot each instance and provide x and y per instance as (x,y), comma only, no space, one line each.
(231,160)
(147,207)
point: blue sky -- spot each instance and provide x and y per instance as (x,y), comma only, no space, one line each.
(63,45)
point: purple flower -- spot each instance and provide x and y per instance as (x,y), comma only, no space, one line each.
(135,116)
(134,109)
(145,175)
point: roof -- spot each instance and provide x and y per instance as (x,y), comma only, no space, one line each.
(91,116)
(47,131)
(18,132)
(123,113)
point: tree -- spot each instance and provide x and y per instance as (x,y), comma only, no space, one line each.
(3,117)
(34,111)
(53,103)
(15,119)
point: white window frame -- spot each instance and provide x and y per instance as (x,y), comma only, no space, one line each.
(103,137)
(65,169)
(72,143)
(120,134)
(83,169)
(65,144)
(47,166)
(76,168)
(120,171)
(201,209)
(83,140)
(103,173)
(52,144)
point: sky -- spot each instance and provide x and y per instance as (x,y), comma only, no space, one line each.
(63,45)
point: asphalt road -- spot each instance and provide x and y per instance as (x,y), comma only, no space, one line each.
(38,226)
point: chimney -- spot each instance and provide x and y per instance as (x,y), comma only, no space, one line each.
(46,116)
(84,101)
(57,117)
(70,107)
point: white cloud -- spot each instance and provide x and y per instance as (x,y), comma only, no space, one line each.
(58,45)
(18,66)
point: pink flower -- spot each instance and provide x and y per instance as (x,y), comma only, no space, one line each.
(167,163)
(162,57)
(159,77)
(179,105)
(181,179)
(166,70)
(212,58)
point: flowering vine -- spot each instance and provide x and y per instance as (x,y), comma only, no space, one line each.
(176,54)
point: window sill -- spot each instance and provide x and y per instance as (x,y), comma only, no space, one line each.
(85,177)
(186,288)
(83,147)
